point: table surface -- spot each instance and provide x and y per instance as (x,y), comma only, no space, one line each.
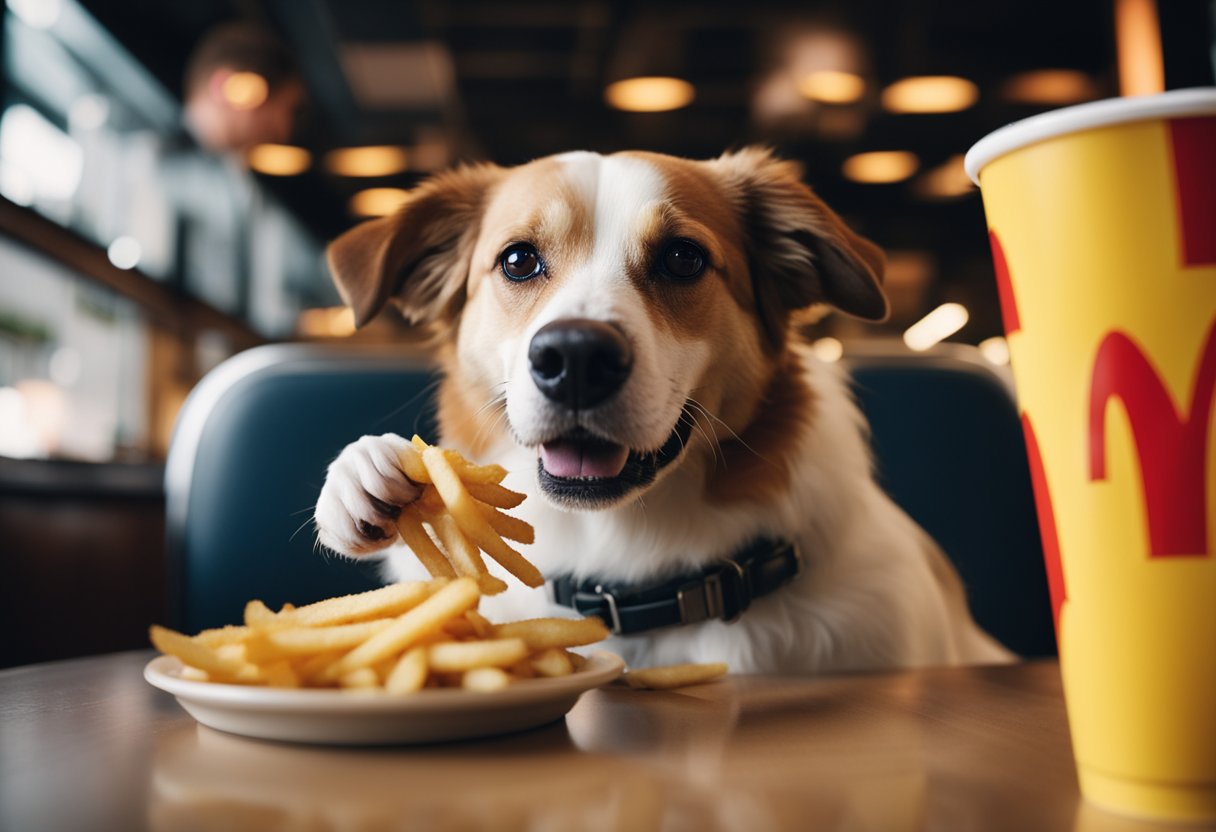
(87,744)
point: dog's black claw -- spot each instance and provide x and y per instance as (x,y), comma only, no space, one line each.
(371,531)
(381,507)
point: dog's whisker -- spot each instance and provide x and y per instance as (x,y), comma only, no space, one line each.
(733,434)
(300,527)
(490,416)
(710,437)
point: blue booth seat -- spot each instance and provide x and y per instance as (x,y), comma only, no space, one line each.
(254,439)
(247,461)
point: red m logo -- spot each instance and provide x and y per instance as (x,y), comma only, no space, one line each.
(1172,447)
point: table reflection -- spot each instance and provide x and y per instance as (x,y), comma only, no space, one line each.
(725,756)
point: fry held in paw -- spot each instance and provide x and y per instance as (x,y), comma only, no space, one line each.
(458,516)
(398,639)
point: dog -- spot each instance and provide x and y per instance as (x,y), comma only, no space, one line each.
(622,333)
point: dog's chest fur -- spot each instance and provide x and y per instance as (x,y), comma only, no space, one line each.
(867,597)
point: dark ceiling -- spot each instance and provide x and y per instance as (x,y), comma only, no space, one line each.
(527,79)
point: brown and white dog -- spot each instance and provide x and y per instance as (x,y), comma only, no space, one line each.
(620,333)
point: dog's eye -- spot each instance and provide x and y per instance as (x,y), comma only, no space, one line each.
(682,260)
(521,261)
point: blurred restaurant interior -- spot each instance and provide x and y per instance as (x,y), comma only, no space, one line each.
(137,252)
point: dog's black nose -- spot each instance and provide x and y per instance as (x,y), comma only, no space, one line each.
(579,362)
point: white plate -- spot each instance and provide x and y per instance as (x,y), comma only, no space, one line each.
(375,718)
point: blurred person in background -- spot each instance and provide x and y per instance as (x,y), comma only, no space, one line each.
(241,89)
(234,247)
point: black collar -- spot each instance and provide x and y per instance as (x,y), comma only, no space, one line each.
(722,590)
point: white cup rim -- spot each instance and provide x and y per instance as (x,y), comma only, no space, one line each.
(1198,101)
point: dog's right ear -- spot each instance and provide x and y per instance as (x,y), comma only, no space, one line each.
(417,258)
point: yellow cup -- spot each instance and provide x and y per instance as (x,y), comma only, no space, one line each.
(1102,219)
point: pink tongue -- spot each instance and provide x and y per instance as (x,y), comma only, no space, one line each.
(567,459)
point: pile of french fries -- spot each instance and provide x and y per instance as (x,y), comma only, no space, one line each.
(407,636)
(462,504)
(400,638)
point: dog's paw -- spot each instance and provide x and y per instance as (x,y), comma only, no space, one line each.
(364,491)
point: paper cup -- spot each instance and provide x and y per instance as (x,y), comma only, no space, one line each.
(1102,219)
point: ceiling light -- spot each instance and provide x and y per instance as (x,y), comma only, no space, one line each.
(650,94)
(383,160)
(1054,87)
(245,90)
(946,181)
(995,350)
(832,87)
(377,202)
(279,159)
(930,94)
(939,324)
(881,166)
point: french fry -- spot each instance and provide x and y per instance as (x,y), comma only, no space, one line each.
(543,633)
(257,614)
(464,555)
(231,634)
(194,674)
(303,641)
(390,600)
(410,459)
(486,474)
(463,509)
(405,631)
(675,676)
(485,679)
(512,528)
(200,656)
(359,678)
(481,627)
(552,662)
(459,656)
(494,495)
(314,669)
(281,674)
(409,526)
(410,672)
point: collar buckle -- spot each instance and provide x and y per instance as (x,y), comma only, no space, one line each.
(614,613)
(723,594)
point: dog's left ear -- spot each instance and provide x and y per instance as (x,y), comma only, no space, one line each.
(799,249)
(417,258)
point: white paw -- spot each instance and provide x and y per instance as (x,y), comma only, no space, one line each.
(364,491)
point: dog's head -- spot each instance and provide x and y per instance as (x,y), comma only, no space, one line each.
(603,302)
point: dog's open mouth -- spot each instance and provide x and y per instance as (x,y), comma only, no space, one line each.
(583,470)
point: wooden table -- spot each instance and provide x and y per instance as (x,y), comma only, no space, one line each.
(87,744)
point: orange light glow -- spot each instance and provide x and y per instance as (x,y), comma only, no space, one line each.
(930,94)
(832,87)
(881,166)
(651,94)
(245,90)
(328,322)
(1138,43)
(377,202)
(382,160)
(279,159)
(1054,87)
(946,181)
